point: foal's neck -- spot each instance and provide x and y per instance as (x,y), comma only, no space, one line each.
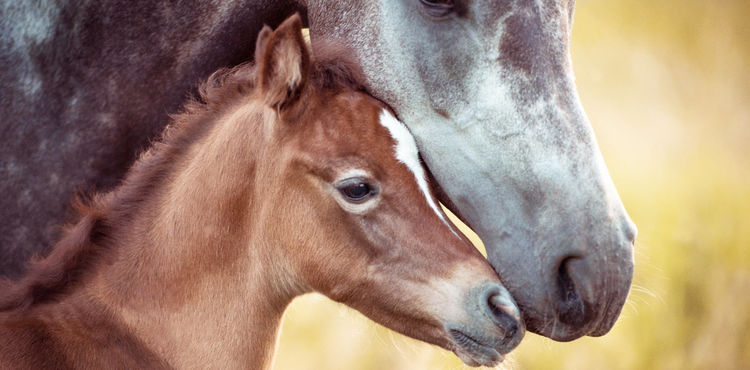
(191,275)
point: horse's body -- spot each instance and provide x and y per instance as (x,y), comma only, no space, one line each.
(485,86)
(288,180)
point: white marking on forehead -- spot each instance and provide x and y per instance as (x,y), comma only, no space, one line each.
(407,153)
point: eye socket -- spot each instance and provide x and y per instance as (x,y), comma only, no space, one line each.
(356,190)
(438,8)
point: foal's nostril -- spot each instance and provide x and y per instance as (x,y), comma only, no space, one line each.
(501,309)
(504,315)
(571,307)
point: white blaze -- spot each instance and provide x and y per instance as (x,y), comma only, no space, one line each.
(407,153)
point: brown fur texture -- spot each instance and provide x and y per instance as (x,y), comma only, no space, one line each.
(84,240)
(193,259)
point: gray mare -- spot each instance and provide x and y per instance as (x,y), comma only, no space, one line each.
(486,87)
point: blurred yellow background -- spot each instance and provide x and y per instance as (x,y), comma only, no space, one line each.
(666,84)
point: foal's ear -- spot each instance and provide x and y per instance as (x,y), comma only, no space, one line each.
(260,44)
(285,63)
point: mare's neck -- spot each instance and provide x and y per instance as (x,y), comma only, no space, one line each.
(193,276)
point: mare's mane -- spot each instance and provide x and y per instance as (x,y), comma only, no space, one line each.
(84,240)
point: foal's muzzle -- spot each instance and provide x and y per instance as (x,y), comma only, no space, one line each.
(494,329)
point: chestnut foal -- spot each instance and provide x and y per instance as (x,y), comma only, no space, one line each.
(287,179)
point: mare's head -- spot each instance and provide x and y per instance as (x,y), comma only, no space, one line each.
(487,88)
(345,206)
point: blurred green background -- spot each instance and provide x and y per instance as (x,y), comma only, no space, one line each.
(666,84)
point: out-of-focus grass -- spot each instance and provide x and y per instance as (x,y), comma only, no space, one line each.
(666,84)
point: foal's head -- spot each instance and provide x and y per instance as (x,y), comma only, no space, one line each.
(348,212)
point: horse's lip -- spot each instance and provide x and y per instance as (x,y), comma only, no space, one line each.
(596,328)
(606,320)
(478,353)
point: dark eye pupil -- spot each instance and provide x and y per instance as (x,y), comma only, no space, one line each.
(357,191)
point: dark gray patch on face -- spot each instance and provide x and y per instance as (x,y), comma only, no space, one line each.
(489,13)
(522,44)
(534,46)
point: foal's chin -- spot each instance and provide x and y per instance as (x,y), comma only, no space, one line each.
(475,348)
(477,352)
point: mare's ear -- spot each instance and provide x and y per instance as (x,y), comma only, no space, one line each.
(285,63)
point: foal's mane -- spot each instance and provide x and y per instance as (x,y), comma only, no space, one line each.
(88,238)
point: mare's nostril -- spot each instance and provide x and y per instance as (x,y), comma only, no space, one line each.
(571,307)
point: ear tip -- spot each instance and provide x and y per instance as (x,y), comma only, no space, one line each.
(294,21)
(284,64)
(264,33)
(296,18)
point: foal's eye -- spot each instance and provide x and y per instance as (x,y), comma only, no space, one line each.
(438,8)
(356,190)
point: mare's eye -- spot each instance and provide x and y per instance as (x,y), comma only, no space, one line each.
(438,8)
(356,190)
